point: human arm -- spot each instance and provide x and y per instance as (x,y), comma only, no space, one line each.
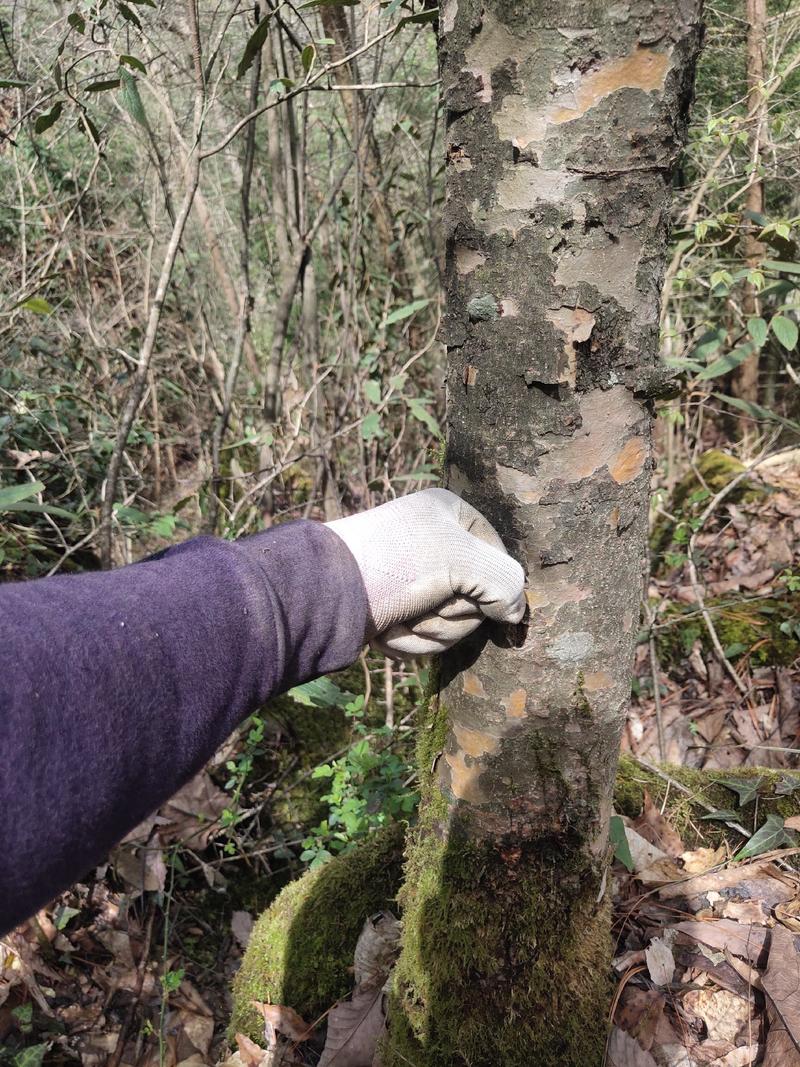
(117,687)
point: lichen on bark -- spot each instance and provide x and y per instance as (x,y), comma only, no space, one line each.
(564,121)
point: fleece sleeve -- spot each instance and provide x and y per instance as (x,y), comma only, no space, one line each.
(116,687)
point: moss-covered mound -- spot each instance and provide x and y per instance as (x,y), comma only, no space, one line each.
(301,949)
(713,471)
(686,810)
(750,628)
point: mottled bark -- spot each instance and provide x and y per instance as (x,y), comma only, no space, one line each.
(564,122)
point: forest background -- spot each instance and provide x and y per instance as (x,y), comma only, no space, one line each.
(220,303)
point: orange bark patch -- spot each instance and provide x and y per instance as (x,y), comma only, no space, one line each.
(474,743)
(644,69)
(514,704)
(536,600)
(628,463)
(473,686)
(464,780)
(595,680)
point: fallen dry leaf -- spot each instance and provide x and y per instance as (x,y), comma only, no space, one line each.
(743,1056)
(659,958)
(656,829)
(701,860)
(789,914)
(354,1028)
(377,948)
(250,1054)
(651,864)
(751,881)
(746,911)
(285,1020)
(781,981)
(639,1013)
(195,1016)
(624,1051)
(725,1014)
(746,941)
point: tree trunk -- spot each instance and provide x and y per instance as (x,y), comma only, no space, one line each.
(564,122)
(745,379)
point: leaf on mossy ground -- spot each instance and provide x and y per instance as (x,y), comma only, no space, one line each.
(653,825)
(377,949)
(285,1020)
(773,834)
(746,790)
(650,864)
(619,840)
(659,959)
(701,860)
(787,785)
(722,815)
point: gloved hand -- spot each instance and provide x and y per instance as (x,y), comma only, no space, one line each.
(433,568)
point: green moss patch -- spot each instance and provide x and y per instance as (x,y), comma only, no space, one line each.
(301,949)
(686,810)
(749,628)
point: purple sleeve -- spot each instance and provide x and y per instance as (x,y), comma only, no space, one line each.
(116,687)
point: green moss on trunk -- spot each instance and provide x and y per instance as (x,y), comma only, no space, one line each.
(495,943)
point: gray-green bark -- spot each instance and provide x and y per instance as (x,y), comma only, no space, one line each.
(564,122)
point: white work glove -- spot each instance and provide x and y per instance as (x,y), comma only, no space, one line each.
(433,568)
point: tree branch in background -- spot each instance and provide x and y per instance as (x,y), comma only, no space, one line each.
(140,378)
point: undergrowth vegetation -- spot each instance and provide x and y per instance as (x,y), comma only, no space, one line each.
(293,370)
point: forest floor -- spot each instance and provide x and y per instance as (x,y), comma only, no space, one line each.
(133,968)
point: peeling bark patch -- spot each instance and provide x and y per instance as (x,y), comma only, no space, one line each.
(467,259)
(464,780)
(474,743)
(449,11)
(521,187)
(524,487)
(483,308)
(644,69)
(576,324)
(522,122)
(473,686)
(514,704)
(629,462)
(594,681)
(465,777)
(572,647)
(611,269)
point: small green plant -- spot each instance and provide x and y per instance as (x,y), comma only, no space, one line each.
(370,787)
